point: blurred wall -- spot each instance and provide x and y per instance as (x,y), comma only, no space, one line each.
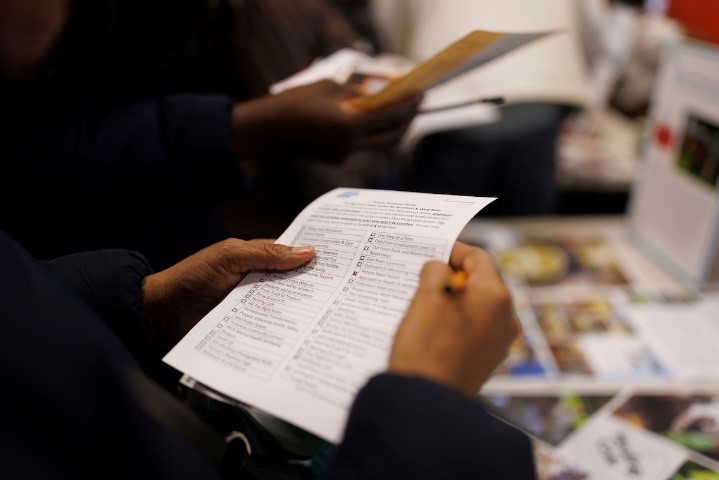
(552,69)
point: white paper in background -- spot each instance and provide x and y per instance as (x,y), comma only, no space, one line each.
(674,208)
(427,123)
(616,357)
(337,66)
(509,42)
(300,344)
(612,449)
(683,336)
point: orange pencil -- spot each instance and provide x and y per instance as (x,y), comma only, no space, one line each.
(456,283)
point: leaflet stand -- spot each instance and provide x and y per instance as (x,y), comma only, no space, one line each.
(673,212)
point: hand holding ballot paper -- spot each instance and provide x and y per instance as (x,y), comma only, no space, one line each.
(300,344)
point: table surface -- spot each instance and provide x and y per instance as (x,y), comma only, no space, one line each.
(642,270)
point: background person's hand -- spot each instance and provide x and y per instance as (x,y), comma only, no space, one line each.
(313,121)
(456,340)
(175,299)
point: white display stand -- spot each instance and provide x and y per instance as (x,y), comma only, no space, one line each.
(674,207)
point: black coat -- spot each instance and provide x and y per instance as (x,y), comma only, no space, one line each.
(103,146)
(72,337)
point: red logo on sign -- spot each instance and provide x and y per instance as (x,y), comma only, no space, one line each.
(663,136)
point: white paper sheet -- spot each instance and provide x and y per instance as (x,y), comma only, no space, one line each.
(610,448)
(674,205)
(682,336)
(300,344)
(648,432)
(337,67)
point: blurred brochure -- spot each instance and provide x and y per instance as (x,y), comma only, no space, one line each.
(404,79)
(659,433)
(672,213)
(683,335)
(387,79)
(469,52)
(299,344)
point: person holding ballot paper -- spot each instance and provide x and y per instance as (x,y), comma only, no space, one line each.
(81,332)
(79,403)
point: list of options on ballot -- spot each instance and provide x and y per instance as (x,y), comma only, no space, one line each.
(324,328)
(320,331)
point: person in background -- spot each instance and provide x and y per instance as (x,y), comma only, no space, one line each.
(513,158)
(269,41)
(82,331)
(130,136)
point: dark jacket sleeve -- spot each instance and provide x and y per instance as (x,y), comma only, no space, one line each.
(110,283)
(68,409)
(149,176)
(403,427)
(172,148)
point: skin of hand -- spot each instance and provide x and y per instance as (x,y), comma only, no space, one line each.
(456,339)
(313,121)
(175,299)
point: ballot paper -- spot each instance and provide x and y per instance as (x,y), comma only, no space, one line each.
(299,344)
